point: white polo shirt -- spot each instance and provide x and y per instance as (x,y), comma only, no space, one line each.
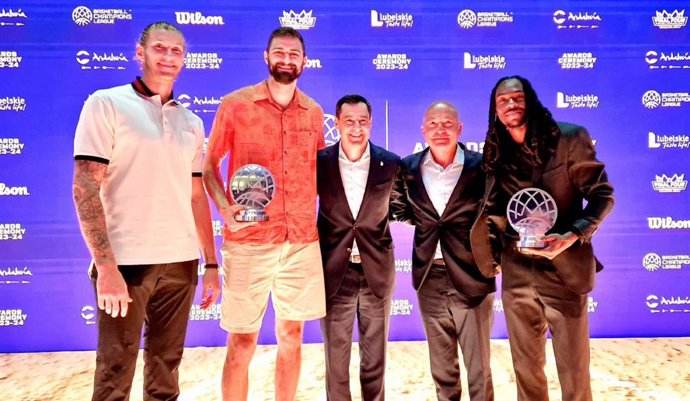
(152,150)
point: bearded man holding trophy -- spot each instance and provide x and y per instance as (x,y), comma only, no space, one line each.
(271,132)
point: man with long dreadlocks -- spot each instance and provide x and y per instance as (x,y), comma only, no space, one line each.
(542,288)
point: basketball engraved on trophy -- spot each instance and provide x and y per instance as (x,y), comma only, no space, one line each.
(252,186)
(532,212)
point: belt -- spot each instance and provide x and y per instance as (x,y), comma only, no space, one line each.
(355,259)
(438,262)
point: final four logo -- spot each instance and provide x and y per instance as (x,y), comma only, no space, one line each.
(673,184)
(303,20)
(666,20)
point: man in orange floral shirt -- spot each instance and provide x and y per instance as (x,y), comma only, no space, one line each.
(277,126)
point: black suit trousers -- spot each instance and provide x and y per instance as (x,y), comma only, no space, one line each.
(354,298)
(451,318)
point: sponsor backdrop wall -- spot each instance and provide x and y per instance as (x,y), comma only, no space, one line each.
(620,68)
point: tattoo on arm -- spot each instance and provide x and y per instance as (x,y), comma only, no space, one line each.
(88,176)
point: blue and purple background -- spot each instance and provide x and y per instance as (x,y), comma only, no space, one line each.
(601,59)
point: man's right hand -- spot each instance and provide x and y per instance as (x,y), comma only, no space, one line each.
(113,297)
(228,214)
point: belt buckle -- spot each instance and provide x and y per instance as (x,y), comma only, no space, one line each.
(355,259)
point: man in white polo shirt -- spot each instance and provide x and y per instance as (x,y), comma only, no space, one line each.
(144,215)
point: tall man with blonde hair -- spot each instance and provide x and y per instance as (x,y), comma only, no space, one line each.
(143,213)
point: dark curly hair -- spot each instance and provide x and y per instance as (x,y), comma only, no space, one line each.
(542,130)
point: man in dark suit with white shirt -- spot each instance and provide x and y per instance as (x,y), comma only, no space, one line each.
(355,180)
(442,187)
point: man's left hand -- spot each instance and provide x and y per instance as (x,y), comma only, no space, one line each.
(211,289)
(556,243)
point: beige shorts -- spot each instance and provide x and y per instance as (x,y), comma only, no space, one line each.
(292,274)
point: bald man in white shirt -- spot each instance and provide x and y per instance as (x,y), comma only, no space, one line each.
(442,188)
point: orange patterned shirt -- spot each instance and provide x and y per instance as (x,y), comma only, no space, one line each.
(254,129)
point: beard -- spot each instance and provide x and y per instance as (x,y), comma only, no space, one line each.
(284,77)
(516,123)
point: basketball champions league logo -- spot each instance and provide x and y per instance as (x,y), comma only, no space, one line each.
(468,19)
(330,132)
(532,212)
(83,16)
(653,262)
(653,99)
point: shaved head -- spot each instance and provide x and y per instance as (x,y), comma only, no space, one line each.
(442,105)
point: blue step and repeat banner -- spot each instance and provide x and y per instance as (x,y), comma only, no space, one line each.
(620,68)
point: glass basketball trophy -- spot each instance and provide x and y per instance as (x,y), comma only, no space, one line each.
(252,186)
(532,212)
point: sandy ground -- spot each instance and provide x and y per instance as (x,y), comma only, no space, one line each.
(622,369)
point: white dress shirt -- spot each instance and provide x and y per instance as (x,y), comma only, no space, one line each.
(440,182)
(354,176)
